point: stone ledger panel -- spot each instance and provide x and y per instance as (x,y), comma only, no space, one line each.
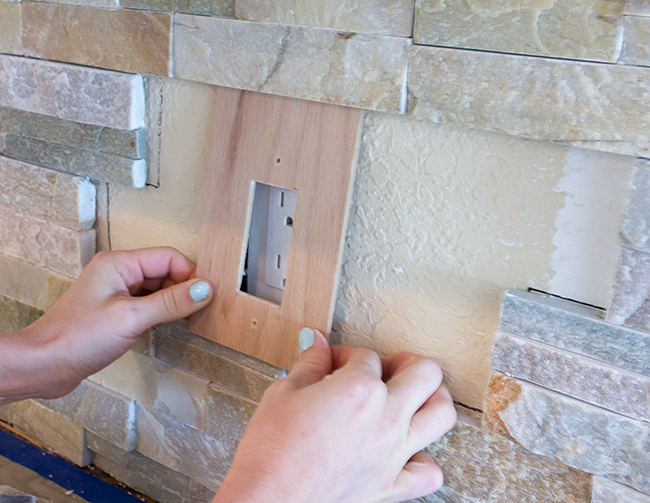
(10,28)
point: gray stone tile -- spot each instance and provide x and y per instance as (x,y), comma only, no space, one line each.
(636,44)
(17,499)
(575,433)
(606,491)
(576,328)
(630,304)
(10,28)
(132,144)
(228,416)
(636,225)
(223,8)
(15,315)
(589,380)
(638,7)
(76,93)
(68,405)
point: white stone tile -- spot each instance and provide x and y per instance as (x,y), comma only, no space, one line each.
(606,491)
(638,7)
(636,44)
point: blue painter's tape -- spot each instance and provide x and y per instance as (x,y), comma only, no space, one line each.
(61,472)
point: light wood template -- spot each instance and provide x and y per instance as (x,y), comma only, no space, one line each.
(308,147)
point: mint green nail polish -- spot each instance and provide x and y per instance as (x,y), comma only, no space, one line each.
(306,339)
(199,291)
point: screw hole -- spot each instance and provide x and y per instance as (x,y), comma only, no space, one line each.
(288,222)
(254,323)
(278,160)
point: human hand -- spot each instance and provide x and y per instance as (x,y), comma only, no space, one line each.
(344,426)
(118,296)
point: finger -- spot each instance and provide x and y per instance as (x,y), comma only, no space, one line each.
(411,379)
(349,358)
(315,361)
(136,265)
(419,477)
(435,418)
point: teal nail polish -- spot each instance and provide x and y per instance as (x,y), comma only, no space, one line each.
(306,339)
(199,291)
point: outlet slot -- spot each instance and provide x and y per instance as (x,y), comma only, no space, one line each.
(269,242)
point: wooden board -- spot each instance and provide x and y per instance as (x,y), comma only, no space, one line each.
(308,147)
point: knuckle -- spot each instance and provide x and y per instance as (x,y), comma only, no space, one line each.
(449,416)
(363,388)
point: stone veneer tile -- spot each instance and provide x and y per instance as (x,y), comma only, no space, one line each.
(589,380)
(68,405)
(636,44)
(605,107)
(70,92)
(224,8)
(385,17)
(358,70)
(576,328)
(606,491)
(96,165)
(124,40)
(23,282)
(124,143)
(56,287)
(228,416)
(55,432)
(59,198)
(636,225)
(589,29)
(638,7)
(576,433)
(15,315)
(45,244)
(5,413)
(10,28)
(630,304)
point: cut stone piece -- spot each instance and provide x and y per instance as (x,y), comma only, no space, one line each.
(636,44)
(578,434)
(15,316)
(5,413)
(45,244)
(589,29)
(228,416)
(113,39)
(576,328)
(602,107)
(606,491)
(59,198)
(610,387)
(636,226)
(631,301)
(223,8)
(638,7)
(96,165)
(357,70)
(10,28)
(75,93)
(68,405)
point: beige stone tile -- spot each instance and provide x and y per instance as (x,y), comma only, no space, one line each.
(385,17)
(23,282)
(636,43)
(358,70)
(605,107)
(15,315)
(587,29)
(10,28)
(125,40)
(224,8)
(56,287)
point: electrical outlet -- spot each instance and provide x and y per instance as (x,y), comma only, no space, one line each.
(282,211)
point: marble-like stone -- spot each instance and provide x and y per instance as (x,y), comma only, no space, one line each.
(385,17)
(588,30)
(96,165)
(113,39)
(637,7)
(15,315)
(10,28)
(59,198)
(636,225)
(636,44)
(228,416)
(223,8)
(578,434)
(70,92)
(589,380)
(55,432)
(606,491)
(603,107)
(630,304)
(576,328)
(45,244)
(24,282)
(68,405)
(181,448)
(357,70)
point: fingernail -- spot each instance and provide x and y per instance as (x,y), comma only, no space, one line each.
(306,339)
(199,291)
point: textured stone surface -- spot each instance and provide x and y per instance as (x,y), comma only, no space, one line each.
(358,70)
(89,3)
(15,315)
(68,405)
(576,433)
(125,40)
(603,107)
(5,413)
(45,244)
(224,8)
(228,416)
(181,448)
(96,165)
(385,17)
(631,300)
(576,328)
(59,198)
(56,287)
(589,29)
(638,7)
(55,432)
(10,28)
(606,491)
(636,226)
(589,380)
(23,282)
(75,93)
(636,44)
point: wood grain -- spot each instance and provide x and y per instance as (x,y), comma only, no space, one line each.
(308,147)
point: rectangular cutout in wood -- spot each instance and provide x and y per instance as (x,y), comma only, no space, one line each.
(302,156)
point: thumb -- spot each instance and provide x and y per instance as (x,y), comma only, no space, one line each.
(172,303)
(316,359)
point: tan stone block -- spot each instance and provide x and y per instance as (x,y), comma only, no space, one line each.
(10,28)
(636,44)
(223,8)
(125,40)
(587,29)
(358,70)
(55,432)
(605,107)
(385,17)
(5,413)
(23,282)
(15,315)
(56,287)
